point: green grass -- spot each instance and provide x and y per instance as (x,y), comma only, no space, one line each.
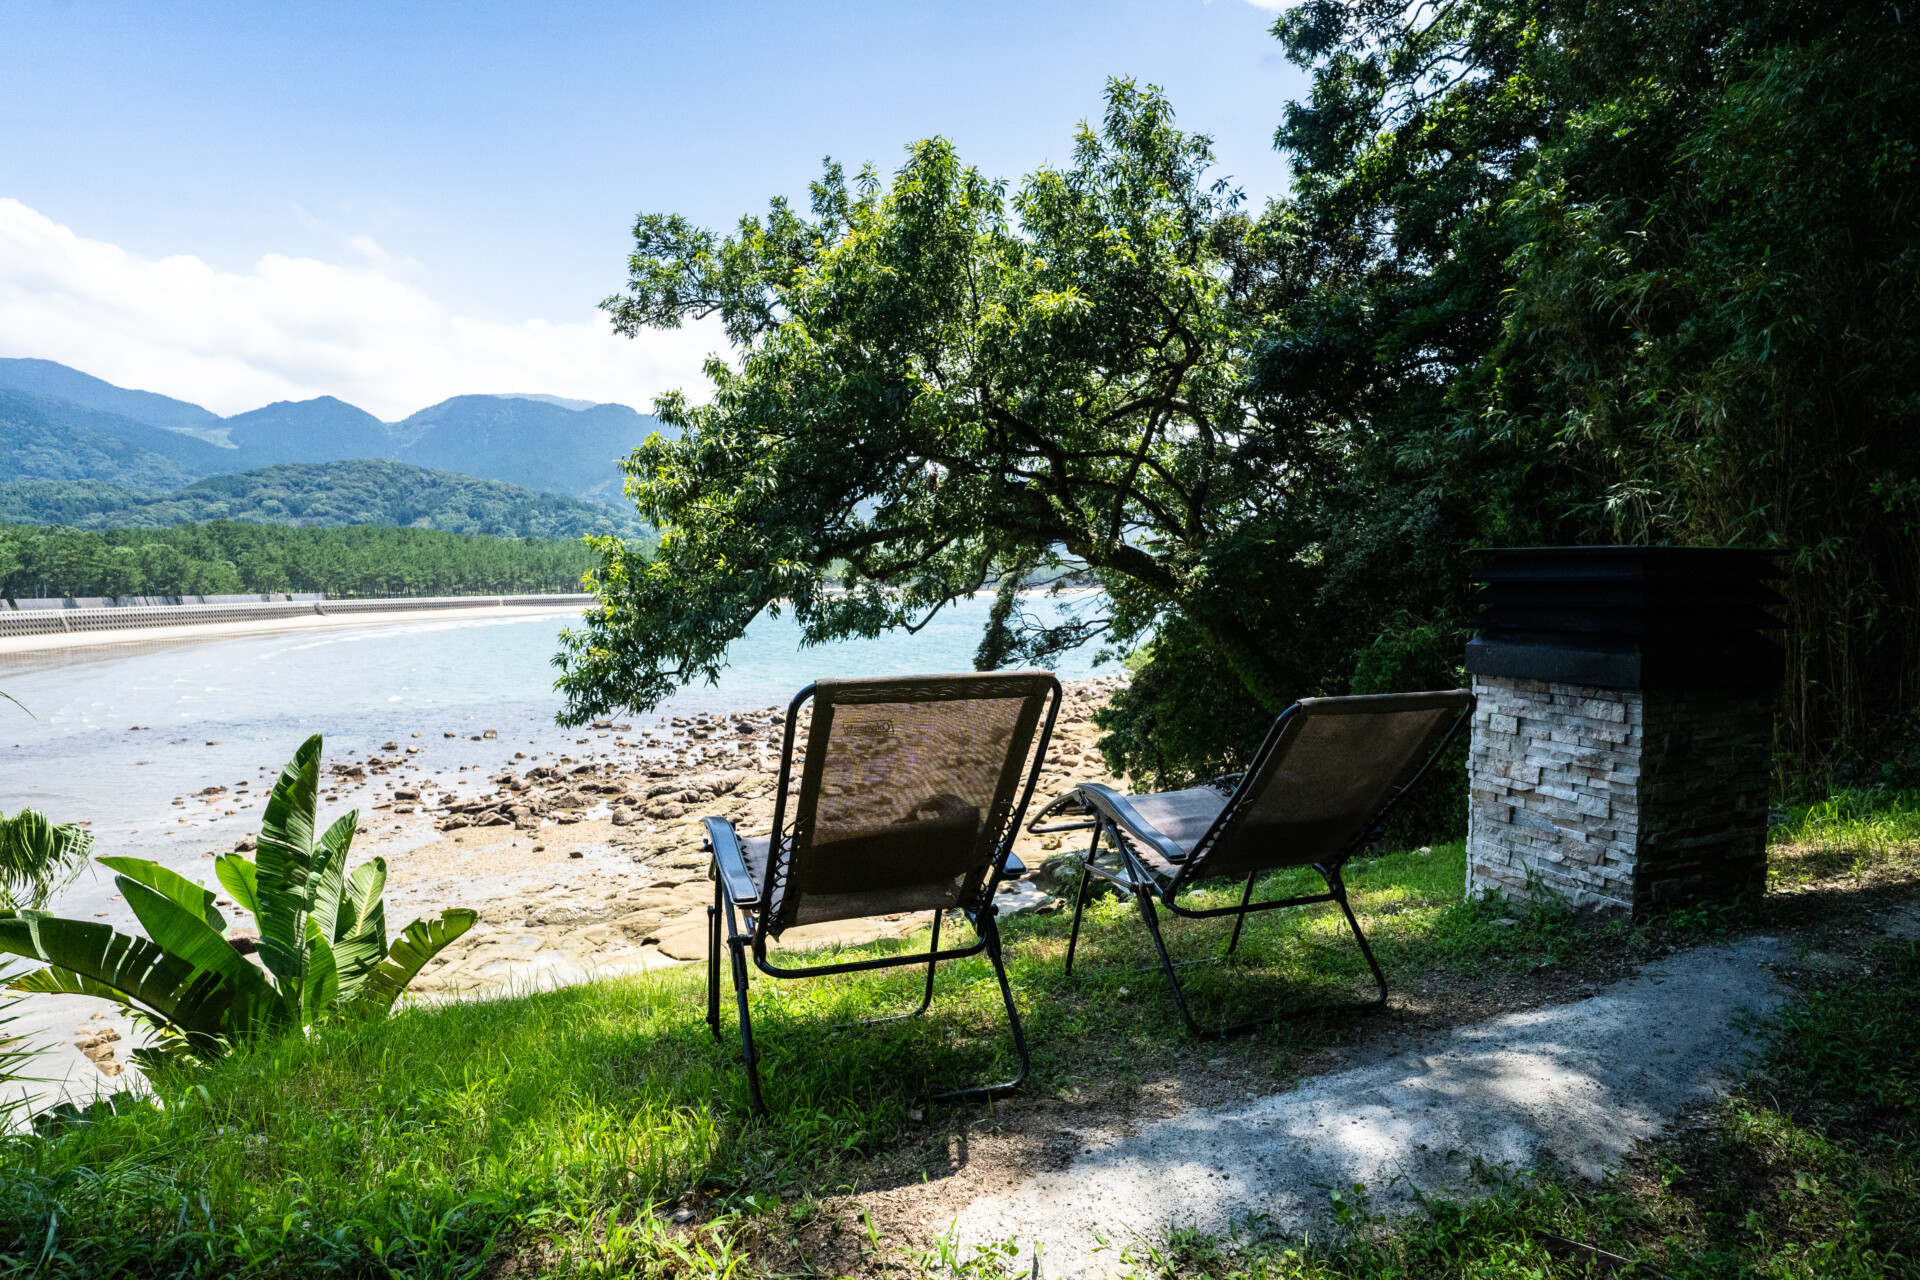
(1853,834)
(548,1133)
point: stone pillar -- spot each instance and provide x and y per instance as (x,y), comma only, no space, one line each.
(1622,742)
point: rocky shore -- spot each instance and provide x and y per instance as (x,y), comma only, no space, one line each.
(593,862)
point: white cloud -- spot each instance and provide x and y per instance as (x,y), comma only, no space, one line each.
(294,328)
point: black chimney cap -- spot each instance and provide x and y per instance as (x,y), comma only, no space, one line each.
(1628,617)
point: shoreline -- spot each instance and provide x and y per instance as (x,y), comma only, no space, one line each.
(583,863)
(169,630)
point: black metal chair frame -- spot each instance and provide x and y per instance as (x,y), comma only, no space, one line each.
(1108,812)
(735,896)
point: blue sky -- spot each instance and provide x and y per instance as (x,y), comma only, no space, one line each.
(235,203)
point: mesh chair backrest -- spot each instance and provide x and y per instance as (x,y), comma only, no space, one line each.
(1320,783)
(910,793)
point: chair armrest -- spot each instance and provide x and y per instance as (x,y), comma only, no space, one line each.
(1113,806)
(1014,868)
(729,863)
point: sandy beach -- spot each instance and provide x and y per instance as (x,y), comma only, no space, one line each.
(582,863)
(585,866)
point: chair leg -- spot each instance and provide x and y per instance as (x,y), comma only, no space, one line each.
(1241,919)
(926,998)
(713,964)
(1079,905)
(1339,890)
(1080,896)
(990,932)
(738,947)
(1152,918)
(1338,884)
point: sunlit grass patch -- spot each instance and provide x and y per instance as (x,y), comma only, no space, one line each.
(1849,834)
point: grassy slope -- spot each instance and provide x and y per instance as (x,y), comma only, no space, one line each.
(534,1134)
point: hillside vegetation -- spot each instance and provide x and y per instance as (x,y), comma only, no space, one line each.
(227,556)
(46,439)
(361,491)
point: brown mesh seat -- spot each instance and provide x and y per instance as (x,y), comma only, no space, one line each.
(905,796)
(1317,791)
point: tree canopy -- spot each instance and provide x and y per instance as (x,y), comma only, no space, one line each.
(938,386)
(1547,273)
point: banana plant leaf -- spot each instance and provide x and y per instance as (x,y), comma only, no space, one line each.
(322,988)
(284,865)
(194,898)
(196,1001)
(360,928)
(419,943)
(240,878)
(177,931)
(55,981)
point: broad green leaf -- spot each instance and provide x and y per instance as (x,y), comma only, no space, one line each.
(255,1003)
(360,936)
(327,874)
(284,863)
(241,879)
(193,897)
(178,932)
(419,943)
(322,988)
(196,1001)
(56,981)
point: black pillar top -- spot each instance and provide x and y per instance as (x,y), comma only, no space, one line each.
(1628,617)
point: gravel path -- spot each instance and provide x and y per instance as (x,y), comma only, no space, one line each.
(1573,1084)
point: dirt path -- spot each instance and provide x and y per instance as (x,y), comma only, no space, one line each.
(1572,1085)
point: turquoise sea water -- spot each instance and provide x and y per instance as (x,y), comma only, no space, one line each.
(214,711)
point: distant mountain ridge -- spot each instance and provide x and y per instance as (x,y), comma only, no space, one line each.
(544,443)
(360,491)
(46,378)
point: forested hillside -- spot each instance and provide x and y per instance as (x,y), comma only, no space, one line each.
(42,438)
(321,494)
(226,557)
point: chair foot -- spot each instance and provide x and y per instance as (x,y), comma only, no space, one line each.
(991,933)
(1194,1028)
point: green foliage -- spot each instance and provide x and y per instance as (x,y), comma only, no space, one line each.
(1640,273)
(322,939)
(324,495)
(15,1056)
(940,386)
(38,857)
(228,557)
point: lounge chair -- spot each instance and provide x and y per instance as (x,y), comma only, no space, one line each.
(1317,792)
(907,798)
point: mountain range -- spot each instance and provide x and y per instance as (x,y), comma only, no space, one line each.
(58,423)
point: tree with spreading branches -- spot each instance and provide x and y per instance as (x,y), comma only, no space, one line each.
(938,388)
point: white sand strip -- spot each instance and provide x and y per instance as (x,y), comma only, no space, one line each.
(187,631)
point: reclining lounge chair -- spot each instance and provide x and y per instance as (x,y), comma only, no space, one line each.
(1317,792)
(907,798)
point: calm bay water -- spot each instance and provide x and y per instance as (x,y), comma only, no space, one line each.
(214,711)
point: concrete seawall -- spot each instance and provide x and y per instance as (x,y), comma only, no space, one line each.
(22,630)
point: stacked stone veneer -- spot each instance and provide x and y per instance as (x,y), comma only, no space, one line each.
(1617,799)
